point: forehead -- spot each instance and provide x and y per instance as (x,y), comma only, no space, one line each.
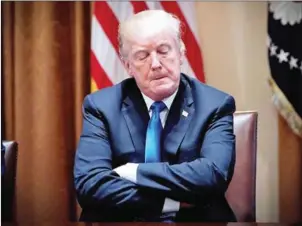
(144,40)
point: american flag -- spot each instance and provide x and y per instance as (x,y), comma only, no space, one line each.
(106,66)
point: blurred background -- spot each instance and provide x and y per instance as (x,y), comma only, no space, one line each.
(48,66)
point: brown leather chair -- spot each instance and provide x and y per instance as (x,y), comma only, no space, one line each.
(8,181)
(242,189)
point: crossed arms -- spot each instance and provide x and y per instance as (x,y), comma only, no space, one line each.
(99,186)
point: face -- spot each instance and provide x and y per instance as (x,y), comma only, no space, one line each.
(154,62)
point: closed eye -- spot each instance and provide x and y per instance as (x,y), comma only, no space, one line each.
(163,49)
(141,55)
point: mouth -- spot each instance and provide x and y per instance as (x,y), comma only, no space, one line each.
(159,77)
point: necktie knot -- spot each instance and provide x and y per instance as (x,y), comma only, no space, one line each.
(157,106)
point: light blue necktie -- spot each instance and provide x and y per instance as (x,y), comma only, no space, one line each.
(152,150)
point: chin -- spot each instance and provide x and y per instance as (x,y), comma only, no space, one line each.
(164,91)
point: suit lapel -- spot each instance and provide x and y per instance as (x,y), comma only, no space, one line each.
(179,118)
(136,116)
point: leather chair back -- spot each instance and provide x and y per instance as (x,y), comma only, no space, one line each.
(242,189)
(8,181)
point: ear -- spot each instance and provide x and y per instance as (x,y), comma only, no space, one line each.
(128,67)
(182,57)
(182,51)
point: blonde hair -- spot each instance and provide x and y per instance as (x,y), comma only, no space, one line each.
(156,19)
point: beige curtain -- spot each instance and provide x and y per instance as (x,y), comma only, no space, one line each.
(45,72)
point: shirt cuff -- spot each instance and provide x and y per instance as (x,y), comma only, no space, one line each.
(128,171)
(170,205)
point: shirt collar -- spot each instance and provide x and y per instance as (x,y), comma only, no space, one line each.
(167,101)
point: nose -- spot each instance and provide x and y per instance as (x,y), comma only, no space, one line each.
(155,64)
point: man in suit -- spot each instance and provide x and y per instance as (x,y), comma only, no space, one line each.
(158,146)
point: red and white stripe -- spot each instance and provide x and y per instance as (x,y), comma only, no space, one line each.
(106,66)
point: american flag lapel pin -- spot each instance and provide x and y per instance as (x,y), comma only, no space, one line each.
(184,113)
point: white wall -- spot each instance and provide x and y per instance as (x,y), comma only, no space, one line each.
(233,40)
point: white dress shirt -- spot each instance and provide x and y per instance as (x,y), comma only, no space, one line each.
(164,113)
(129,170)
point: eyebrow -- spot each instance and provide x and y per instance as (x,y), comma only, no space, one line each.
(142,49)
(139,51)
(165,43)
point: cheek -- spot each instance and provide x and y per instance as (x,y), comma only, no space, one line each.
(142,74)
(173,66)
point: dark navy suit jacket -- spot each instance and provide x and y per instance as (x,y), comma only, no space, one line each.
(198,155)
